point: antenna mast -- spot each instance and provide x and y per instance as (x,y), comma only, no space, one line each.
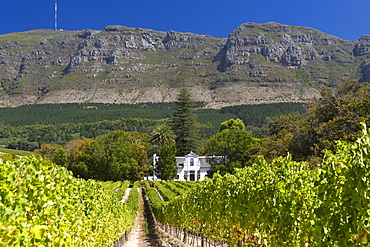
(55,15)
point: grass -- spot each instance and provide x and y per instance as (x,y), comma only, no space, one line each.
(15,152)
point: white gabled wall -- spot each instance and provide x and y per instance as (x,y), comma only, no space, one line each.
(184,167)
(192,171)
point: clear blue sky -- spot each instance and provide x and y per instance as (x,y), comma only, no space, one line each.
(347,19)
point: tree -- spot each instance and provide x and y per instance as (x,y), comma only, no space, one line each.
(60,157)
(162,134)
(184,123)
(115,156)
(80,159)
(166,165)
(336,115)
(120,155)
(232,124)
(140,154)
(56,154)
(236,147)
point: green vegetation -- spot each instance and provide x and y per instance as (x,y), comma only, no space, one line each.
(81,113)
(177,190)
(236,146)
(279,203)
(108,157)
(155,201)
(15,152)
(166,165)
(232,124)
(162,134)
(115,156)
(166,194)
(184,123)
(335,116)
(30,137)
(133,199)
(276,203)
(44,205)
(258,115)
(56,114)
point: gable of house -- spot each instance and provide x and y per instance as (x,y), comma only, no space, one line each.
(192,167)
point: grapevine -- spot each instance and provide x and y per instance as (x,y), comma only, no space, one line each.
(283,202)
(44,205)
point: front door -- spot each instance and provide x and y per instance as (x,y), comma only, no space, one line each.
(192,176)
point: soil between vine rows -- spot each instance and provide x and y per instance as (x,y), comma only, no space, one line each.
(146,232)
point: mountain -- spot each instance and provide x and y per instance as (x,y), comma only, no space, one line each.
(257,63)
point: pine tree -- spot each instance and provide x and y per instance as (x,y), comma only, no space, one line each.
(184,123)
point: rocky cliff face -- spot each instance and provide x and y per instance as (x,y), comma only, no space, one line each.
(257,63)
(362,50)
(286,47)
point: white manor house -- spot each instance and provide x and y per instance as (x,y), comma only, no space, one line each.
(192,167)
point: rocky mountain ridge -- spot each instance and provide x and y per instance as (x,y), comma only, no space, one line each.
(257,63)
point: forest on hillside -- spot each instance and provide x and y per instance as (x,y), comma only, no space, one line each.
(28,127)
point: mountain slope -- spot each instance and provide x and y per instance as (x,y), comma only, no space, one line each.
(257,63)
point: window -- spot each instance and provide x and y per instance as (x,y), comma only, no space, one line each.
(191,161)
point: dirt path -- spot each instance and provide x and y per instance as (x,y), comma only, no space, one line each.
(127,195)
(146,232)
(141,234)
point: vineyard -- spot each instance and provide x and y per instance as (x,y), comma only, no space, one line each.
(44,205)
(277,203)
(282,203)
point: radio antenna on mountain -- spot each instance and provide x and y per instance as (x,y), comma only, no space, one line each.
(55,15)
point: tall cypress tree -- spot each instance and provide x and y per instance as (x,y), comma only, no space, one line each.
(184,123)
(166,167)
